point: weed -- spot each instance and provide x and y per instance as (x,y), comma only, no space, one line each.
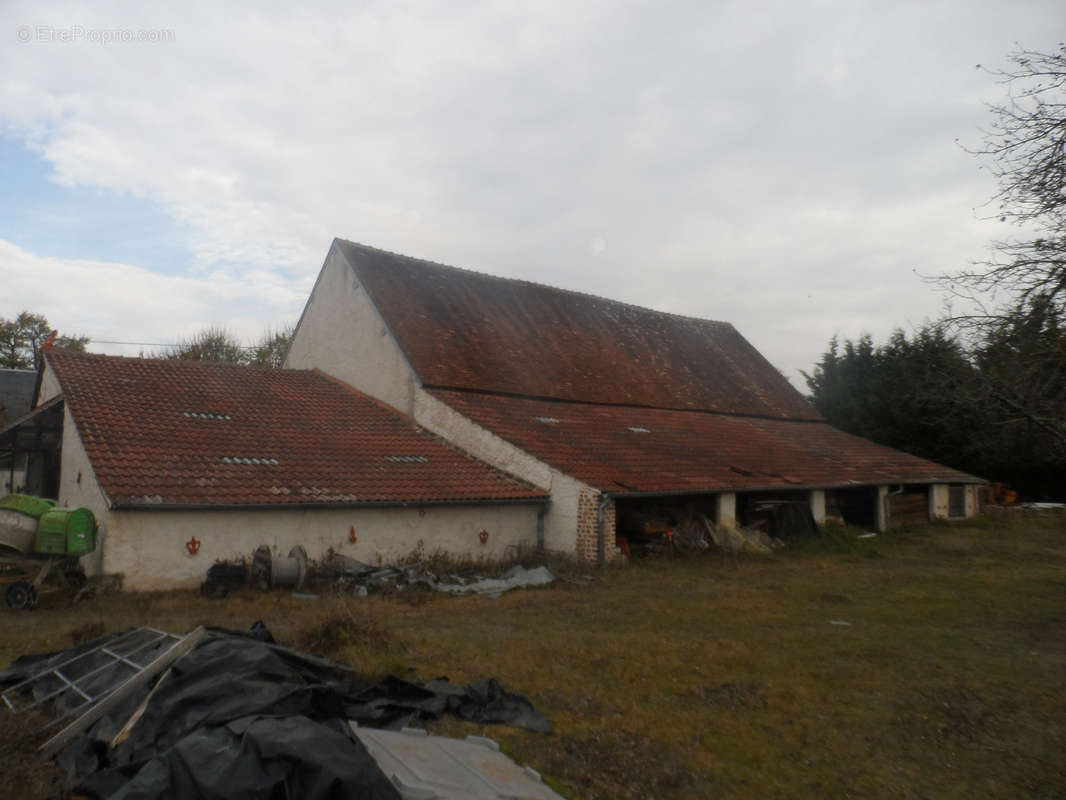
(719,676)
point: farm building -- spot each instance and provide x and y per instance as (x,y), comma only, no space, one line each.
(186,462)
(625,416)
(425,406)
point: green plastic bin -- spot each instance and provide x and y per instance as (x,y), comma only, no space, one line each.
(28,504)
(66,531)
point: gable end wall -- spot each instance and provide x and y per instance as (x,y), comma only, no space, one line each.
(344,335)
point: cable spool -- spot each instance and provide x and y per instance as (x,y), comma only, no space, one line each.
(289,572)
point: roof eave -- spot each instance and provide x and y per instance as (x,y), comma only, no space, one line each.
(963,479)
(301,506)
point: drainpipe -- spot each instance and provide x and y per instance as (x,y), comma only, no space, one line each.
(601,545)
(541,513)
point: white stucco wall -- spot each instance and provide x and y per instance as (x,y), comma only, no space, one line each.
(940,502)
(342,334)
(49,386)
(817,503)
(560,524)
(78,487)
(148,547)
(726,509)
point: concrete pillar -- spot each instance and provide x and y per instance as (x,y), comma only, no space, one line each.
(882,509)
(817,501)
(726,509)
(938,501)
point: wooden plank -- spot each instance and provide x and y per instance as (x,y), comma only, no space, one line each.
(135,717)
(161,662)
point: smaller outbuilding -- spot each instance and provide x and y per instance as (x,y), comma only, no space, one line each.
(16,397)
(187,462)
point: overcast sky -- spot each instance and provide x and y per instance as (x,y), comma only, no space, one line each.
(790,167)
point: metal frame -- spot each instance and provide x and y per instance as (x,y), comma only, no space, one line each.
(118,657)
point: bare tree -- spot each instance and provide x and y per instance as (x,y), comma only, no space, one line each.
(1025,148)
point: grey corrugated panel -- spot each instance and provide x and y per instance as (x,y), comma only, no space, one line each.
(424,767)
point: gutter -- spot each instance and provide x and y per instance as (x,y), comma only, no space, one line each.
(800,487)
(128,506)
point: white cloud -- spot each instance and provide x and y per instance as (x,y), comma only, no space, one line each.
(785,167)
(121,302)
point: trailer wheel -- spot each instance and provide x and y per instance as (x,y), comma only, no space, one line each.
(21,596)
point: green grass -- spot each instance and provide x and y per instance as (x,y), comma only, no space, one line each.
(722,676)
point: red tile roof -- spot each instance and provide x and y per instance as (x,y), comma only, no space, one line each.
(630,450)
(191,433)
(467,330)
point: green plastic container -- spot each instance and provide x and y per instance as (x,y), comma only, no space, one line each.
(66,531)
(28,504)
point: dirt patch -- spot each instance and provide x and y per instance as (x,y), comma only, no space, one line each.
(1048,636)
(330,637)
(619,764)
(90,630)
(22,767)
(836,599)
(736,696)
(954,715)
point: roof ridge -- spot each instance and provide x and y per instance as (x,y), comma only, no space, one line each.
(67,352)
(535,284)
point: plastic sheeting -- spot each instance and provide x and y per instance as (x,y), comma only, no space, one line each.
(360,578)
(241,717)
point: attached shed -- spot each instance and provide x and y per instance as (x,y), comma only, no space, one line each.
(607,406)
(165,452)
(16,398)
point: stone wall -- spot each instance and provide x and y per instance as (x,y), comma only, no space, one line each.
(587,545)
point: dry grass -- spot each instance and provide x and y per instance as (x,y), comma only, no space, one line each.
(716,676)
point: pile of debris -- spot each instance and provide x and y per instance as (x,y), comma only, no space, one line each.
(770,525)
(339,574)
(222,714)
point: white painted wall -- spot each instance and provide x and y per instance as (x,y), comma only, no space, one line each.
(938,501)
(881,517)
(78,487)
(49,386)
(560,524)
(342,334)
(148,547)
(726,509)
(817,501)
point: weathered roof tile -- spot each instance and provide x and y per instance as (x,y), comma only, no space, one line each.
(686,451)
(467,330)
(320,432)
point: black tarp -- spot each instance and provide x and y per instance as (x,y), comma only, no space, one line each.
(241,717)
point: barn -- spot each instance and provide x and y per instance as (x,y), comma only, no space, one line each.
(623,415)
(426,407)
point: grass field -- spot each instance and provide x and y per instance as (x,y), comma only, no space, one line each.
(926,663)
